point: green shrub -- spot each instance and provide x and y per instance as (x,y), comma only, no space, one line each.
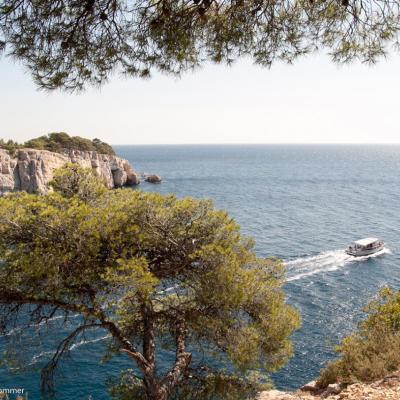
(373,351)
(9,145)
(110,255)
(61,141)
(74,180)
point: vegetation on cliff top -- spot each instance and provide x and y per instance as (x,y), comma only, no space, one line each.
(158,274)
(59,142)
(373,351)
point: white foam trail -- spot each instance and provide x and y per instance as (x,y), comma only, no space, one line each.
(83,342)
(12,331)
(37,357)
(169,289)
(45,322)
(327,261)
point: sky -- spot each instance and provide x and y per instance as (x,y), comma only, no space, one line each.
(312,101)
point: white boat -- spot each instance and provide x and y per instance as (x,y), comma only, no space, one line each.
(365,247)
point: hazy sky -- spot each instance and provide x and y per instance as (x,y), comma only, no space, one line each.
(313,101)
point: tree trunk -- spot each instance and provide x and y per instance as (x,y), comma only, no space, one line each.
(182,361)
(149,344)
(154,391)
(151,383)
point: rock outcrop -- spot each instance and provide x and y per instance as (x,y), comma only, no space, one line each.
(383,389)
(32,170)
(153,178)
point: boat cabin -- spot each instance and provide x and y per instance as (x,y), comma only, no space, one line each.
(367,243)
(365,246)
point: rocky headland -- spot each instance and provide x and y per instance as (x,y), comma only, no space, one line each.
(31,170)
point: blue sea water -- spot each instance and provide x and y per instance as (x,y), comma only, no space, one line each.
(301,203)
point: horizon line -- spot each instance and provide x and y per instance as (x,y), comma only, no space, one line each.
(264,143)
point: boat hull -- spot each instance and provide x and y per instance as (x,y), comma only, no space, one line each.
(364,252)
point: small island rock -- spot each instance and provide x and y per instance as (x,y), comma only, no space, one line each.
(153,178)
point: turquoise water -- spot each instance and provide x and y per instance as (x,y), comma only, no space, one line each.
(303,204)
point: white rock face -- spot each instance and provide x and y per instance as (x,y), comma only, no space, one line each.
(32,170)
(276,395)
(310,387)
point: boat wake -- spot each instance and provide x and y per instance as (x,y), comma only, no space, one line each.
(84,342)
(40,324)
(303,267)
(48,354)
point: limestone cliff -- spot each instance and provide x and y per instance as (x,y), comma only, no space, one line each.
(32,170)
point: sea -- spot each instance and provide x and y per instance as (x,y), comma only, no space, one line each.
(301,203)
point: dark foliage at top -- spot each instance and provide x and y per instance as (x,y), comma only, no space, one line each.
(67,44)
(59,142)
